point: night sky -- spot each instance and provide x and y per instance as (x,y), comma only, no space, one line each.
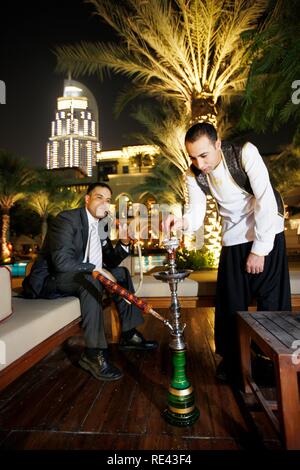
(29,31)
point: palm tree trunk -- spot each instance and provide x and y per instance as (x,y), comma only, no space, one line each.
(44,228)
(204,109)
(5,230)
(212,229)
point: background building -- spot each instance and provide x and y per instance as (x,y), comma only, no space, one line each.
(74,139)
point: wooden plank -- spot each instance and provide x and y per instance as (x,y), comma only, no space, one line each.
(24,409)
(288,402)
(30,379)
(164,442)
(200,366)
(160,375)
(287,326)
(96,414)
(283,337)
(75,402)
(38,440)
(292,317)
(268,407)
(265,340)
(145,389)
(98,417)
(94,441)
(226,421)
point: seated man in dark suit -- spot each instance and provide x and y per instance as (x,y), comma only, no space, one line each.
(76,245)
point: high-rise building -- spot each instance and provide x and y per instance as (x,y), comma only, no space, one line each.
(74,137)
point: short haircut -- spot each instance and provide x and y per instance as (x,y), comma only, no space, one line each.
(198,130)
(92,186)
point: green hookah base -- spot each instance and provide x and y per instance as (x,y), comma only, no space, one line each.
(181,410)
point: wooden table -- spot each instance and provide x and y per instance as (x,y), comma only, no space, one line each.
(278,335)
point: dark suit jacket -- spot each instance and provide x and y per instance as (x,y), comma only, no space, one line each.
(63,251)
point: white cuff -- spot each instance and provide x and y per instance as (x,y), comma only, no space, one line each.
(261,248)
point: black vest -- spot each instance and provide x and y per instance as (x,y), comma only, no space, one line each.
(233,157)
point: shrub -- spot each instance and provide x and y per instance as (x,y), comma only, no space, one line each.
(195,259)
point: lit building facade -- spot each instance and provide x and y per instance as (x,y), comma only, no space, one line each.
(74,140)
(134,159)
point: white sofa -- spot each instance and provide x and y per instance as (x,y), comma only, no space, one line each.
(29,329)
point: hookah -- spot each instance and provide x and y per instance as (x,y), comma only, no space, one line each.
(181,409)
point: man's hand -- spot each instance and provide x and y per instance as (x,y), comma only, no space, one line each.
(255,264)
(172,223)
(125,235)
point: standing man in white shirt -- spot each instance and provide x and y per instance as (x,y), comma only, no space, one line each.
(77,244)
(253,262)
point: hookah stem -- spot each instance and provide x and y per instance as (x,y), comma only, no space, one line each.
(133,299)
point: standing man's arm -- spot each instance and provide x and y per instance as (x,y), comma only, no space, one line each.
(196,208)
(265,210)
(194,212)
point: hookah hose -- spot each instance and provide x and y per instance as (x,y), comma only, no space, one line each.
(138,244)
(129,297)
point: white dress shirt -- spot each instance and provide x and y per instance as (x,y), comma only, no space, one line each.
(91,221)
(244,217)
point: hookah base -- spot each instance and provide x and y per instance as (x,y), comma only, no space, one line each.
(181,419)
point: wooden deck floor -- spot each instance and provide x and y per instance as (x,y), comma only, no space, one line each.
(56,405)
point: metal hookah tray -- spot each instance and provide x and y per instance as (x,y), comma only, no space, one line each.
(178,275)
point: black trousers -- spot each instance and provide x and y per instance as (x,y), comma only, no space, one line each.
(90,292)
(236,289)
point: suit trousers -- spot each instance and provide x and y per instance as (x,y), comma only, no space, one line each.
(90,293)
(236,289)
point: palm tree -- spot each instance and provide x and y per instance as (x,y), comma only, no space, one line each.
(67,200)
(41,203)
(194,52)
(274,73)
(285,169)
(165,181)
(49,197)
(15,178)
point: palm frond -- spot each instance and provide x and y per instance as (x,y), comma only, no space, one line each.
(173,50)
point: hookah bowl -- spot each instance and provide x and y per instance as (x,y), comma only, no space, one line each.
(181,409)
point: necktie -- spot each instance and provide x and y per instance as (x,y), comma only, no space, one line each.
(95,249)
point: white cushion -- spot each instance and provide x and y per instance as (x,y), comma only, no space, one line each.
(152,287)
(33,321)
(5,296)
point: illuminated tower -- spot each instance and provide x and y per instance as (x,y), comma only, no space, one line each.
(74,137)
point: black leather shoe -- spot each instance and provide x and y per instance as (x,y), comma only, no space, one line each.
(99,367)
(137,342)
